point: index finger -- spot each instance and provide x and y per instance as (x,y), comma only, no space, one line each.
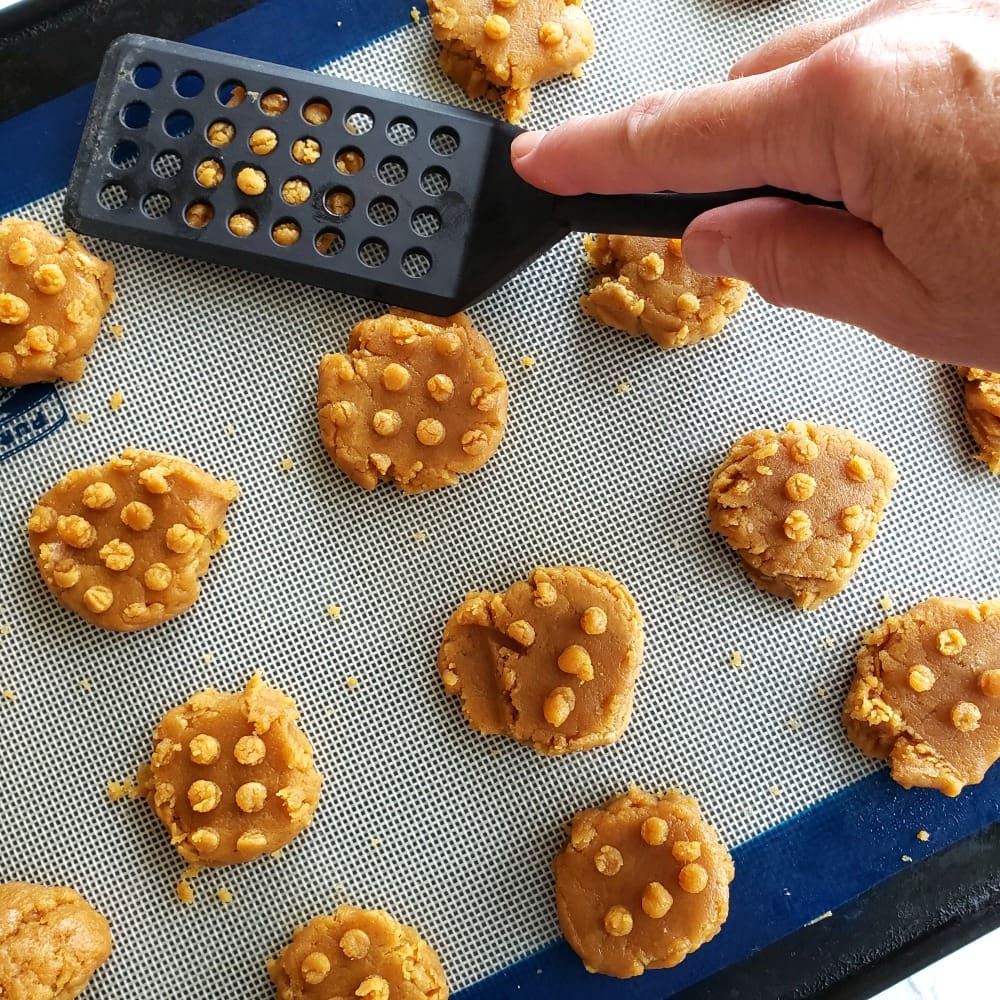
(765,129)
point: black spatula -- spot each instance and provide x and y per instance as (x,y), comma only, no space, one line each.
(307,177)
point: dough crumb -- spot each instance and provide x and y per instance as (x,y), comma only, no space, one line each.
(207,659)
(287,465)
(828,642)
(9,695)
(184,891)
(775,791)
(906,858)
(923,836)
(127,789)
(351,681)
(375,842)
(793,724)
(224,896)
(334,610)
(820,692)
(230,430)
(116,400)
(528,361)
(886,603)
(414,15)
(117,329)
(4,630)
(86,685)
(736,658)
(622,388)
(83,417)
(420,536)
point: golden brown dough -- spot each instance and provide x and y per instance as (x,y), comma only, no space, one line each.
(982,413)
(232,775)
(358,953)
(926,694)
(53,296)
(416,400)
(501,48)
(642,883)
(646,287)
(800,507)
(51,942)
(551,662)
(123,544)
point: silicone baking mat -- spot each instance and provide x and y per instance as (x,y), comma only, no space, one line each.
(610,447)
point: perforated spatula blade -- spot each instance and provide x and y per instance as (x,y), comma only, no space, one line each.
(315,179)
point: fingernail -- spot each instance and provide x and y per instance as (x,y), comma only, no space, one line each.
(525,144)
(708,252)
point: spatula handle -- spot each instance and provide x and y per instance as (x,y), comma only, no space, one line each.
(665,213)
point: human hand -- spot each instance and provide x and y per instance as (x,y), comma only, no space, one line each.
(894,110)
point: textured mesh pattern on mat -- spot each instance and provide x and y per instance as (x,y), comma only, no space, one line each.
(451,831)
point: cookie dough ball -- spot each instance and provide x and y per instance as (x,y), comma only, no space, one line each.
(800,507)
(53,296)
(642,883)
(498,49)
(551,662)
(417,400)
(123,544)
(982,413)
(358,953)
(51,942)
(926,694)
(232,775)
(645,287)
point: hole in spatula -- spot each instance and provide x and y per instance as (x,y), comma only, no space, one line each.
(373,253)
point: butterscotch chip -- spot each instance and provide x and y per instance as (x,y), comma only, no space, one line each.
(416,400)
(653,910)
(502,54)
(943,731)
(223,805)
(358,953)
(124,563)
(982,413)
(51,942)
(646,287)
(53,296)
(804,546)
(566,690)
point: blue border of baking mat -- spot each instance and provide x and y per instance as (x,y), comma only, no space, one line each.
(788,876)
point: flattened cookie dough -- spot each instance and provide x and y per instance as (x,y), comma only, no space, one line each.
(53,296)
(800,507)
(982,413)
(501,48)
(123,544)
(646,287)
(642,883)
(358,953)
(232,775)
(416,400)
(926,694)
(551,662)
(51,942)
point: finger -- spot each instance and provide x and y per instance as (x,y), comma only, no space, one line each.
(790,46)
(769,129)
(817,259)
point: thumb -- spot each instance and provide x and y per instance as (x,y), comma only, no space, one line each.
(817,259)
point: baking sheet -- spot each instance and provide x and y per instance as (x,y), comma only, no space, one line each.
(451,831)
